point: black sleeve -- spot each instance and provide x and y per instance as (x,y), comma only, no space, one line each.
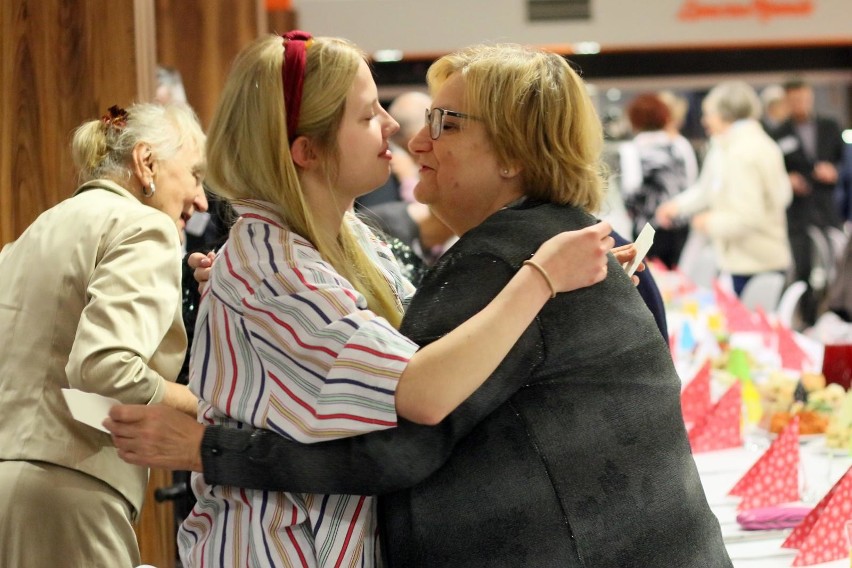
(835,135)
(396,458)
(649,291)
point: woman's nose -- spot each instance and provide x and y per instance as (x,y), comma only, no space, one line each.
(420,142)
(200,201)
(391,125)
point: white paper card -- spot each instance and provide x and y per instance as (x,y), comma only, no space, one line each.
(89,408)
(643,244)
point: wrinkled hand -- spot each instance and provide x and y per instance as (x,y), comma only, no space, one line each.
(576,259)
(156,436)
(624,255)
(201,264)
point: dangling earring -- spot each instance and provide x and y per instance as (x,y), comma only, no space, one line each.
(151,187)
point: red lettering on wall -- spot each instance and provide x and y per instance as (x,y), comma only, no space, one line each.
(765,10)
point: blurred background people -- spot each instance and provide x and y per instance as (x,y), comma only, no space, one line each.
(776,111)
(813,149)
(678,108)
(91,295)
(653,171)
(740,199)
(170,89)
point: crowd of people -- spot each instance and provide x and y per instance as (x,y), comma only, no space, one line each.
(335,414)
(772,194)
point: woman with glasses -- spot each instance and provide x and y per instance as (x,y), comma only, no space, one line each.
(573,453)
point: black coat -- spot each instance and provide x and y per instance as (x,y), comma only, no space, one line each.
(573,453)
(818,208)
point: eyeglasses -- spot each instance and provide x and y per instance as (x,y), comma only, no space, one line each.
(435,120)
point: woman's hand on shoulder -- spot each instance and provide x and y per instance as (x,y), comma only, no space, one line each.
(576,259)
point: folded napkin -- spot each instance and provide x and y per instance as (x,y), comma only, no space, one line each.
(737,316)
(792,355)
(774,477)
(695,397)
(821,536)
(720,427)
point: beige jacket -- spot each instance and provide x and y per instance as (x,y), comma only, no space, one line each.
(90,298)
(745,188)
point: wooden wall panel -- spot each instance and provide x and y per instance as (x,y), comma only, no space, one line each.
(282,21)
(200,39)
(155,528)
(63,61)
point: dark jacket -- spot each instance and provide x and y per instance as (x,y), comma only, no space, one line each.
(573,453)
(819,207)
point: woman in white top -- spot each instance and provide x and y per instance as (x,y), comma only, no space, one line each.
(743,191)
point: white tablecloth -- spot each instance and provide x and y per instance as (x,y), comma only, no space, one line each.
(719,472)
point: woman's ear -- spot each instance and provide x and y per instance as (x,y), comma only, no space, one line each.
(142,163)
(303,153)
(510,171)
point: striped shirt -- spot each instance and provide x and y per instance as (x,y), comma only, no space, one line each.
(284,343)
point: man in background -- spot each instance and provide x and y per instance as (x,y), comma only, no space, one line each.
(813,149)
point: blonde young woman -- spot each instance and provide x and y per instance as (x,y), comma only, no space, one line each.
(90,299)
(296,331)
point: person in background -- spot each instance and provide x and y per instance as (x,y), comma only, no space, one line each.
(653,170)
(813,149)
(741,196)
(843,192)
(91,295)
(776,111)
(170,89)
(574,452)
(678,107)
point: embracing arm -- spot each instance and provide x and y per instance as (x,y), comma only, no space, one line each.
(440,376)
(377,462)
(446,372)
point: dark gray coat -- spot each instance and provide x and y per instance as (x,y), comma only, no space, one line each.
(572,454)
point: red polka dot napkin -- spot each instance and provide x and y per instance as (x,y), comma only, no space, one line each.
(719,429)
(821,536)
(774,477)
(695,397)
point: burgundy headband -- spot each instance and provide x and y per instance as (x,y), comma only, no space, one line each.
(293,76)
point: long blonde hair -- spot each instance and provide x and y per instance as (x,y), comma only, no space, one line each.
(249,153)
(537,114)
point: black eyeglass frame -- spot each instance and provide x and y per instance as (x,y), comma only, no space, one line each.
(442,112)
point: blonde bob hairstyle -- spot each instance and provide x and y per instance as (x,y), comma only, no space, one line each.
(249,157)
(537,115)
(103,151)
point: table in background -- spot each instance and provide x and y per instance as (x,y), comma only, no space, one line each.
(719,472)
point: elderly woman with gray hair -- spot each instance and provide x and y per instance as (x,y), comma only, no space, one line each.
(90,300)
(742,193)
